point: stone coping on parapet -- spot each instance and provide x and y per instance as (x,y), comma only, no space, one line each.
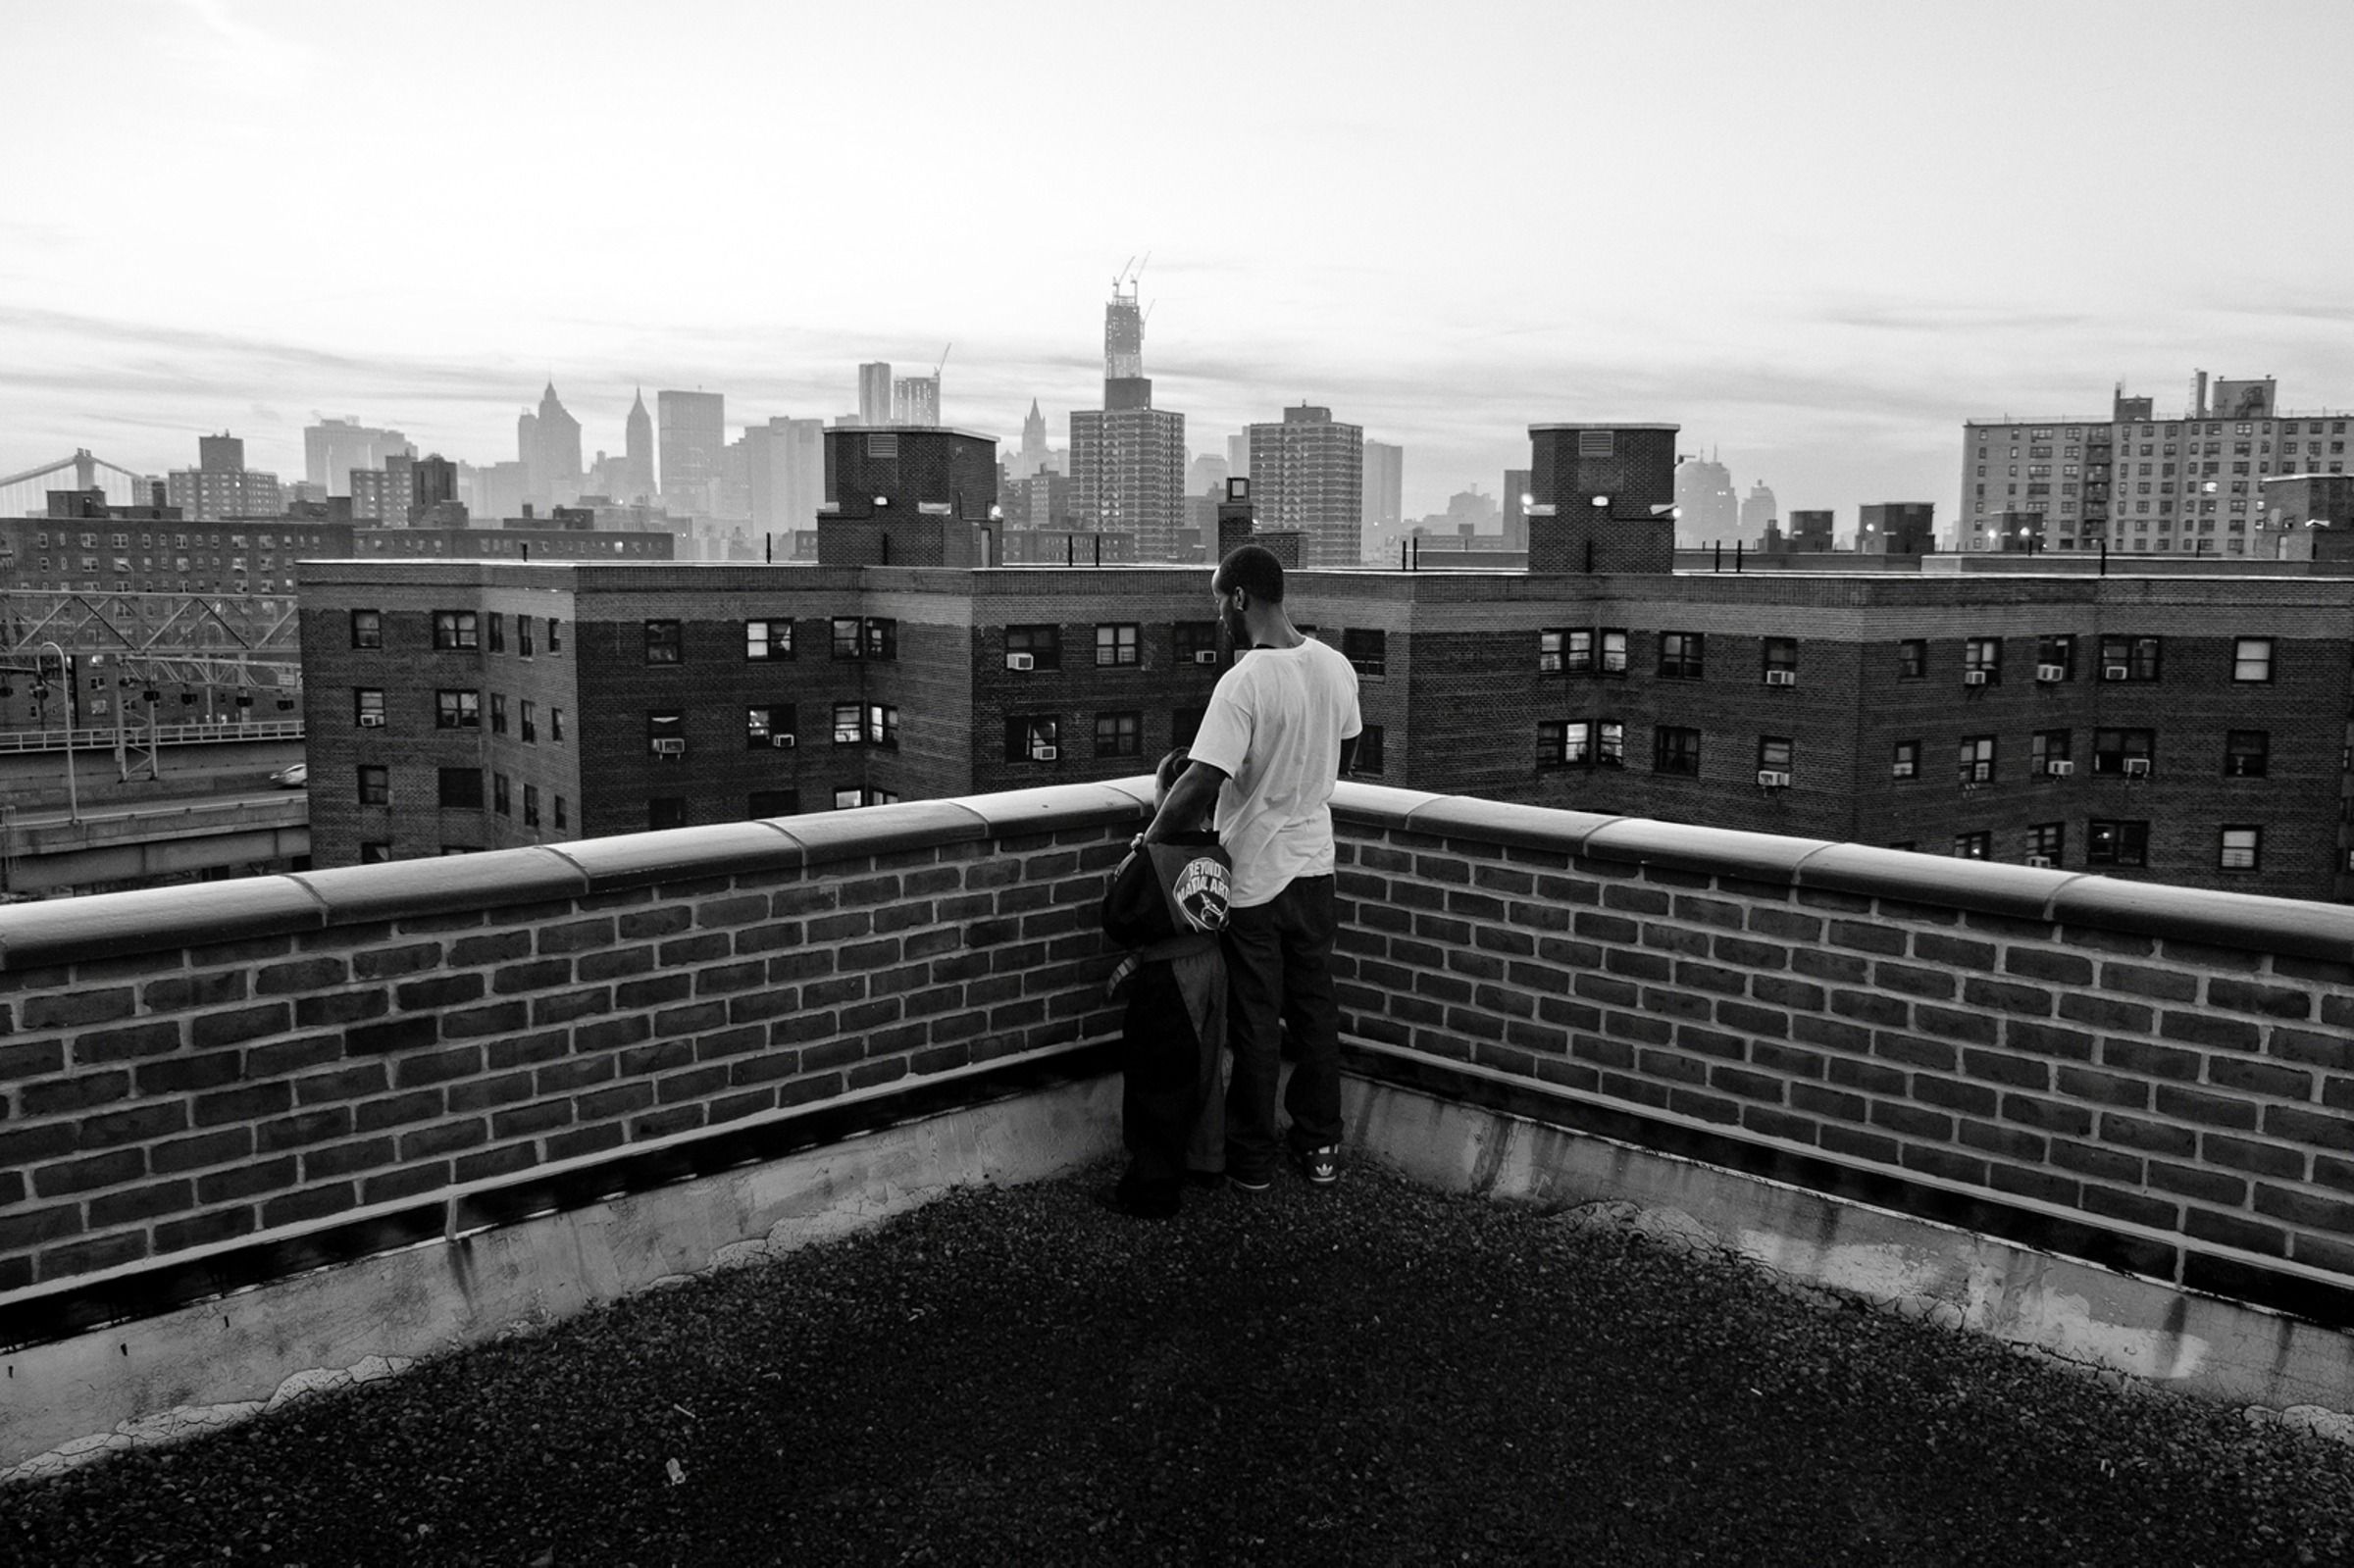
(119,925)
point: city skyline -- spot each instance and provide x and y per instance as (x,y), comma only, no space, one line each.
(1822,291)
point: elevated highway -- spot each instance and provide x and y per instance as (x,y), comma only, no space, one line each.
(47,852)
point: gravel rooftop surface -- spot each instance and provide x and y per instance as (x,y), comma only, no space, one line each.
(1371,1375)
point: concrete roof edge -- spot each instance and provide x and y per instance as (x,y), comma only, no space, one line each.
(400,890)
(65,931)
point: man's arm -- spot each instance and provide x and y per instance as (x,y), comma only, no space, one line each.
(1190,800)
(1347,756)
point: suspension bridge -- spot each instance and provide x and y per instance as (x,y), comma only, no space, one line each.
(26,495)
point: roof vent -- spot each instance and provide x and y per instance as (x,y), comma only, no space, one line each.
(1597,444)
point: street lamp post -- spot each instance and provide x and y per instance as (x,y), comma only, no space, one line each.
(64,681)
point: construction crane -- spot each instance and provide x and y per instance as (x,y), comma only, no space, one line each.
(944,360)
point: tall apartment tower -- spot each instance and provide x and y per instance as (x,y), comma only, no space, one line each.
(1703,495)
(548,445)
(694,434)
(332,448)
(785,473)
(1307,476)
(221,485)
(916,400)
(1759,512)
(1385,487)
(638,463)
(874,392)
(1128,457)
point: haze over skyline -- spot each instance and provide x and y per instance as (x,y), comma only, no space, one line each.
(1817,237)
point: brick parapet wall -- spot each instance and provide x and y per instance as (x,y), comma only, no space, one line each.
(2152,1077)
(2160,1078)
(201,1068)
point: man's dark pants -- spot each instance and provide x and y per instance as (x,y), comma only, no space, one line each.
(1279,970)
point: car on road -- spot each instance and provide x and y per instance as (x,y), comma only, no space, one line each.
(294,775)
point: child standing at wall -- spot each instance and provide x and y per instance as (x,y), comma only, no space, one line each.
(1168,903)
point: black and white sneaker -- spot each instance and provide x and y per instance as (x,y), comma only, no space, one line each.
(1321,1166)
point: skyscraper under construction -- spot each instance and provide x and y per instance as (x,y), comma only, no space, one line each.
(1128,457)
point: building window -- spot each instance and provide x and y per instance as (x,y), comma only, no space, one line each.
(1368,650)
(1613,651)
(1776,754)
(530,713)
(376,784)
(2047,746)
(764,727)
(850,724)
(1552,651)
(368,707)
(1033,647)
(1903,762)
(1982,661)
(883,726)
(2240,849)
(1610,743)
(772,803)
(560,813)
(455,632)
(2109,842)
(2054,658)
(1367,761)
(523,635)
(366,627)
(2126,753)
(531,805)
(461,788)
(881,639)
(2247,753)
(1119,734)
(555,644)
(1560,744)
(666,731)
(1033,737)
(662,642)
(1197,642)
(1779,661)
(457,710)
(2046,841)
(2252,659)
(498,631)
(502,799)
(498,714)
(1116,645)
(376,852)
(2128,658)
(1681,655)
(1976,759)
(555,727)
(1973,845)
(765,640)
(1675,749)
(665,811)
(1911,659)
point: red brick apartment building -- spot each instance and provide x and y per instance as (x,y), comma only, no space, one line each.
(2174,729)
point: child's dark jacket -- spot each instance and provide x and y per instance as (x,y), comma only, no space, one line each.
(1168,903)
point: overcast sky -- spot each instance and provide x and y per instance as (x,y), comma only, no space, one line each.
(1817,237)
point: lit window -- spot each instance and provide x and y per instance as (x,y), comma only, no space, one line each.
(2252,659)
(1116,645)
(2240,849)
(767,639)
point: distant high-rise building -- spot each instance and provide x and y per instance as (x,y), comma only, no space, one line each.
(1758,511)
(1515,508)
(548,445)
(1035,455)
(1385,488)
(1207,472)
(916,400)
(1237,455)
(637,472)
(433,481)
(332,448)
(785,473)
(221,485)
(694,436)
(874,392)
(1307,476)
(1128,457)
(1703,495)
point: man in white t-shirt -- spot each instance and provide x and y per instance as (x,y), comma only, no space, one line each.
(1276,735)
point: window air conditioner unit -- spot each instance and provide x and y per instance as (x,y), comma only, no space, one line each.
(372,720)
(2137,767)
(2060,767)
(669,748)
(1206,656)
(1772,778)
(1782,678)
(2114,672)
(781,742)
(1045,753)
(2048,672)
(2043,861)
(1973,677)
(1021,661)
